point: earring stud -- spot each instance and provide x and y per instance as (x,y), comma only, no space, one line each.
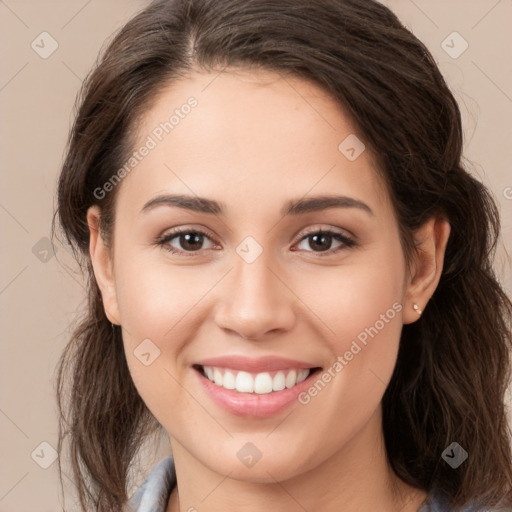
(417,309)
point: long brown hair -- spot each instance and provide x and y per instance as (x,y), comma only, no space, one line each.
(453,364)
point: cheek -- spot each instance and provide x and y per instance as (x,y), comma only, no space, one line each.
(343,398)
(153,305)
(370,310)
(360,300)
(361,305)
(159,312)
(154,296)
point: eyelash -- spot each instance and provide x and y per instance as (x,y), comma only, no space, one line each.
(346,241)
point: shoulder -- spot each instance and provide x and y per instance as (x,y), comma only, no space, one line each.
(153,494)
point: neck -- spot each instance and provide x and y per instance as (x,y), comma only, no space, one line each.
(357,477)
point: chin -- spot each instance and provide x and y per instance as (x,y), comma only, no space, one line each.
(266,466)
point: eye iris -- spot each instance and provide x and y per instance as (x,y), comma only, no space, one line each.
(321,241)
(192,241)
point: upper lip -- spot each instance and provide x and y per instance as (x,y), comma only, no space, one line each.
(255,365)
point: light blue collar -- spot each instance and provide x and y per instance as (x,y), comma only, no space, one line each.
(154,493)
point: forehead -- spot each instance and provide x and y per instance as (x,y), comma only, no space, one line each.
(242,133)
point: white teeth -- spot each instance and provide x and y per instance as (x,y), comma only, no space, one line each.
(263,383)
(279,381)
(302,375)
(244,382)
(217,377)
(291,379)
(229,381)
(260,383)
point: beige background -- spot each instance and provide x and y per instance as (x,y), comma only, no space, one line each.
(39,295)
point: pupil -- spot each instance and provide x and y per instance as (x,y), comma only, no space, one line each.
(192,240)
(324,241)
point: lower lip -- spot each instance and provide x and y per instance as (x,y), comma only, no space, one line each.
(253,404)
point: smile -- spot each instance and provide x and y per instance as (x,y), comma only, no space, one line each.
(254,387)
(259,383)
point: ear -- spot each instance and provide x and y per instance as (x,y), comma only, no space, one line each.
(101,259)
(431,240)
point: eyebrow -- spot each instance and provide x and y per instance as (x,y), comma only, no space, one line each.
(293,207)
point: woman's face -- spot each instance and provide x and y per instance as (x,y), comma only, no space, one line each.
(259,295)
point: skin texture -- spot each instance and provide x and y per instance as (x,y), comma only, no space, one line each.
(255,141)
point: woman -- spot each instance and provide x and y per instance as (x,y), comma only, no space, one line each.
(289,270)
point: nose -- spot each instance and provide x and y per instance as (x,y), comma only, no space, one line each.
(255,300)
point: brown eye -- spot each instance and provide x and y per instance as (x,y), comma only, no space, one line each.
(190,241)
(184,241)
(321,241)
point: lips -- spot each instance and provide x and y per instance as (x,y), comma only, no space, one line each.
(257,387)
